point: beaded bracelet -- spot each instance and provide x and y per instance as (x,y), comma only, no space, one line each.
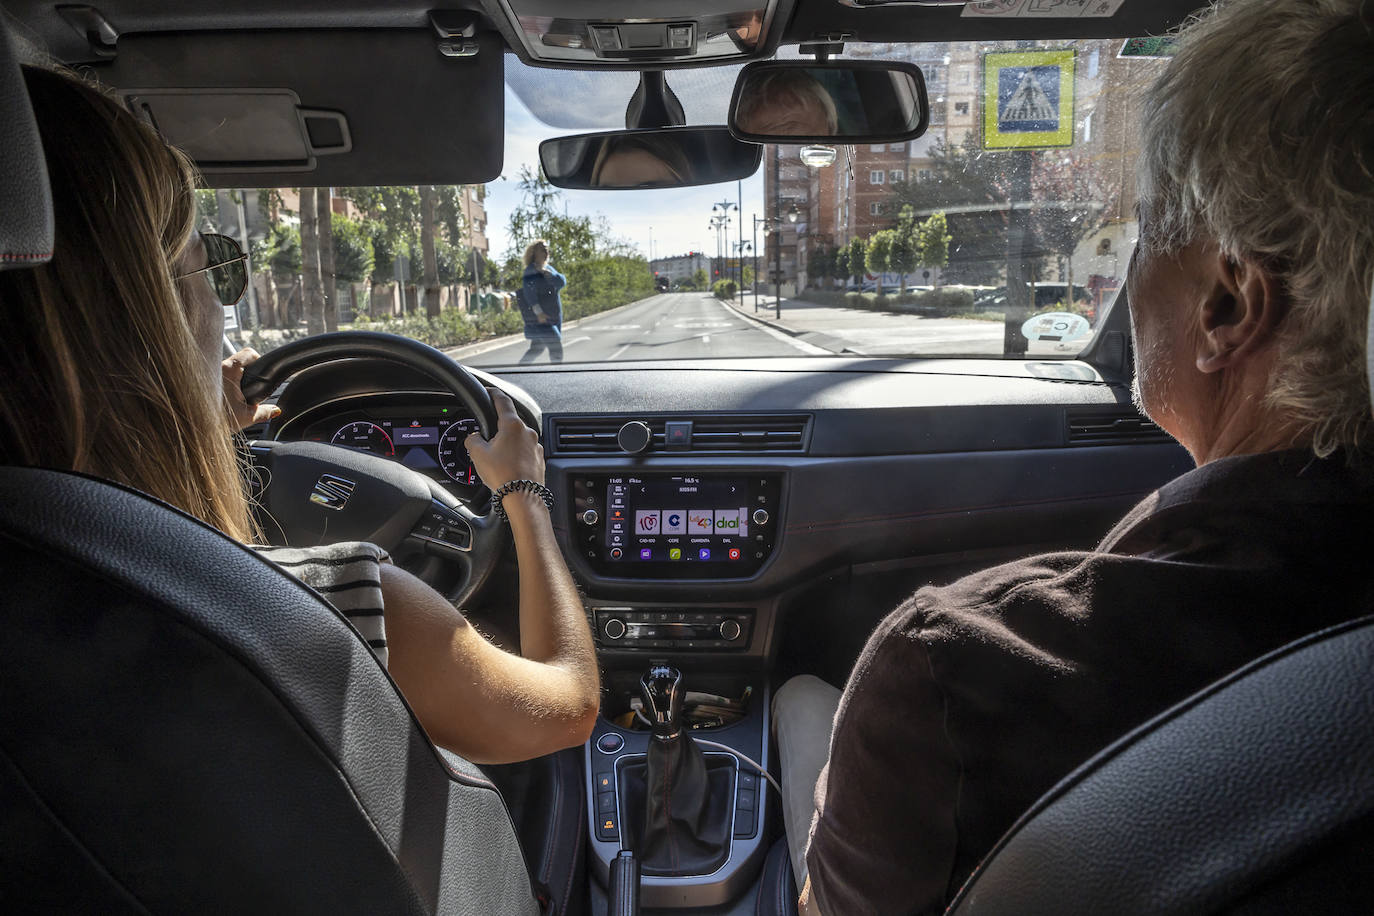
(519,486)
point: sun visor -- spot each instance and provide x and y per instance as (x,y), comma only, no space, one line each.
(326,108)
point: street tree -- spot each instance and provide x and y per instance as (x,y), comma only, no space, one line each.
(842,271)
(328,284)
(428,255)
(353,255)
(932,240)
(905,254)
(879,254)
(312,288)
(858,253)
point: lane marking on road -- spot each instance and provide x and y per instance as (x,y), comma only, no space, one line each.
(619,327)
(616,355)
(569,343)
(702,325)
(809,349)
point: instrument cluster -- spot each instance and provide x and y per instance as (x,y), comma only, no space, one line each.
(427,439)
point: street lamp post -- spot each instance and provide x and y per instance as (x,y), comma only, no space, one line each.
(724,208)
(767,227)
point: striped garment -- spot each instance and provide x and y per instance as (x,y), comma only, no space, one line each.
(348,575)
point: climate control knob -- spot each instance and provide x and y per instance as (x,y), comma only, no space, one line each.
(729,629)
(614,628)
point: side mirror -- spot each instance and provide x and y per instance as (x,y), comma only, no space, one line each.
(833,101)
(670,157)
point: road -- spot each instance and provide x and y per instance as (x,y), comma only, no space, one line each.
(698,326)
(666,326)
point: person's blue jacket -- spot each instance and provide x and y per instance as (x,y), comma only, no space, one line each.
(539,296)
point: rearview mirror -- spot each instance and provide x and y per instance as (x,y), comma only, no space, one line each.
(846,101)
(669,157)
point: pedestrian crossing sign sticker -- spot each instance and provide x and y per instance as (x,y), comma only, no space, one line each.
(1027,99)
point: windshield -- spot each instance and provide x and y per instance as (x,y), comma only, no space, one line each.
(1003,232)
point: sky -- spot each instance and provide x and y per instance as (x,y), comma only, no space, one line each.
(677,220)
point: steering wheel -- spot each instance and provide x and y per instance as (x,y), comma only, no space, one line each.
(315,493)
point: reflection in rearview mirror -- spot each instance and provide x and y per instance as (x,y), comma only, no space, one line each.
(794,101)
(670,157)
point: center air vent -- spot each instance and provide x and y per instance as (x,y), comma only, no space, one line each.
(1111,426)
(725,434)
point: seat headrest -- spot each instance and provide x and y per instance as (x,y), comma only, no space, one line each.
(26,221)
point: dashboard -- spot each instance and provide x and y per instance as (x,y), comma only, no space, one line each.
(863,468)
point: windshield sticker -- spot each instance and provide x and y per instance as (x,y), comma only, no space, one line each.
(1027,99)
(1056,326)
(1048,9)
(1155,47)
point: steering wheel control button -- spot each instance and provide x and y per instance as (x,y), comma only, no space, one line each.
(609,743)
(590,517)
(730,630)
(760,516)
(634,437)
(444,530)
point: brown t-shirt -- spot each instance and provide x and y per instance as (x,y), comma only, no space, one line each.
(973,699)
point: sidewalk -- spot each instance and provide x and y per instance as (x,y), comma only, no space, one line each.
(865,332)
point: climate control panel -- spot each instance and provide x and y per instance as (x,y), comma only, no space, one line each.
(672,628)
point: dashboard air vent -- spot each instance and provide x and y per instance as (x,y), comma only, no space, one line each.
(737,434)
(1112,426)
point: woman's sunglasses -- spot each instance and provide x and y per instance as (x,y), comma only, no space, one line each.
(226,267)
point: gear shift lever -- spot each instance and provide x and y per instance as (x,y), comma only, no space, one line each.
(661,690)
(686,817)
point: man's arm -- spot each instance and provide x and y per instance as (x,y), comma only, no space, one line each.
(884,835)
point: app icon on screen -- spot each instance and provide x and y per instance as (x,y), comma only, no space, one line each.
(734,553)
(675,553)
(647,522)
(674,521)
(646,553)
(704,553)
(701,521)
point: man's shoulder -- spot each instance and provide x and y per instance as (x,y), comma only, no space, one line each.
(978,603)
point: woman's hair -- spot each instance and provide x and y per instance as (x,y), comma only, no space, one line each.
(532,247)
(1260,136)
(104,375)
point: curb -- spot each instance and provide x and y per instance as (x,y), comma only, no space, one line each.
(494,343)
(815,338)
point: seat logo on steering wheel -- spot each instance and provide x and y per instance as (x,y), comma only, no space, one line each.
(332,492)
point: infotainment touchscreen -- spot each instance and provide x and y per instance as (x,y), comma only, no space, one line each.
(677,525)
(683,519)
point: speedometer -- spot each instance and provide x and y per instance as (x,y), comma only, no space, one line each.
(365,437)
(453,455)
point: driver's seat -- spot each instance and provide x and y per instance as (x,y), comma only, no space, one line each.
(186,728)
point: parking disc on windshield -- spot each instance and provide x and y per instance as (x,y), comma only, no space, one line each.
(1056,326)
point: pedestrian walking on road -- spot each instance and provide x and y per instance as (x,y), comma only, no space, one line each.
(541,307)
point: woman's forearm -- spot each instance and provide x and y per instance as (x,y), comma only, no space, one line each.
(553,622)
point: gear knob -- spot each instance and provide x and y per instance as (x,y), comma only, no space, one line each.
(661,689)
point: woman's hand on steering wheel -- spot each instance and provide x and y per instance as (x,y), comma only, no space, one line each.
(514,453)
(244,414)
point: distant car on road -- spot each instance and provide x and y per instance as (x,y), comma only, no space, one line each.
(1047,296)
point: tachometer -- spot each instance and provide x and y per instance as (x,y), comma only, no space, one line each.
(365,437)
(453,455)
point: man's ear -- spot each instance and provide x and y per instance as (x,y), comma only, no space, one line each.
(1240,314)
